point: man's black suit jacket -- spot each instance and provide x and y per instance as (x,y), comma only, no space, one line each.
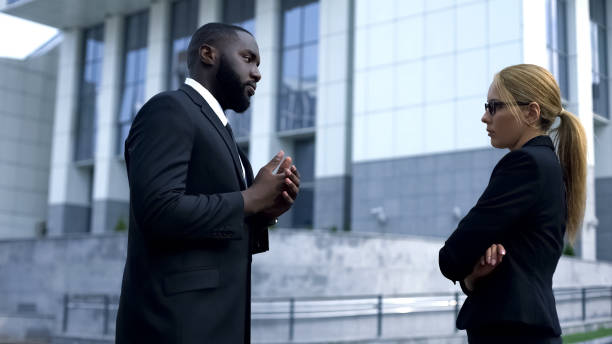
(187,274)
(523,208)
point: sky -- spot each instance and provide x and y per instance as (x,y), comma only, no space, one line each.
(21,37)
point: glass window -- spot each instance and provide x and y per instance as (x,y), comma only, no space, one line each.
(91,74)
(183,25)
(240,13)
(134,73)
(291,32)
(311,23)
(599,51)
(291,66)
(303,208)
(556,42)
(309,70)
(299,67)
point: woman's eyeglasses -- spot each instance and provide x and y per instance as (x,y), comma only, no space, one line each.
(493,105)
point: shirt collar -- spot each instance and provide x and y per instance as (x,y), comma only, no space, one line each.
(210,99)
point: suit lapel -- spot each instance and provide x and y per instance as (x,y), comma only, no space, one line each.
(216,122)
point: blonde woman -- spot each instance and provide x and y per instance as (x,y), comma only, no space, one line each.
(505,250)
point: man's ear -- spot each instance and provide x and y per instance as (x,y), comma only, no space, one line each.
(208,54)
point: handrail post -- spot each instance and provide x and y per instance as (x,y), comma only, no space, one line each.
(291,317)
(379,315)
(106,311)
(456,311)
(65,318)
(583,304)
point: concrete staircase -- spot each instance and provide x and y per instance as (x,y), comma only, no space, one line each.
(25,328)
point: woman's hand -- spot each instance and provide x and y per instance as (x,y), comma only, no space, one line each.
(485,265)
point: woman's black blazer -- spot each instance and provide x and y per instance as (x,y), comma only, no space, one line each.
(523,208)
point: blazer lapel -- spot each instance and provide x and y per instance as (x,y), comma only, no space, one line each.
(216,122)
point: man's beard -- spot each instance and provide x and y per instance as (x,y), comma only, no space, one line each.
(232,91)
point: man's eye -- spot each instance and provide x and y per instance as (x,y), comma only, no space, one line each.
(247,58)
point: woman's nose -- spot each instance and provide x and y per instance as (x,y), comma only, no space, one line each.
(485,117)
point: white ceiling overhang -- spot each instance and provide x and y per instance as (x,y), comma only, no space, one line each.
(66,14)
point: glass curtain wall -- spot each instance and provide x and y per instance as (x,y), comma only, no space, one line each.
(298,96)
(134,73)
(240,13)
(90,80)
(599,51)
(183,24)
(299,66)
(556,42)
(303,208)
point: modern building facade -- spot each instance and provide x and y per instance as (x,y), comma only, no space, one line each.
(378,101)
(27,98)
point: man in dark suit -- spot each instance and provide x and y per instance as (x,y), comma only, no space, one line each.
(197,214)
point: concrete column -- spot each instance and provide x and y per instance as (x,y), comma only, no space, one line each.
(603,173)
(581,104)
(158,46)
(110,188)
(209,11)
(69,185)
(264,141)
(332,205)
(534,33)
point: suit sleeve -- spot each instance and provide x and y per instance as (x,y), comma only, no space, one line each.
(158,151)
(512,192)
(258,233)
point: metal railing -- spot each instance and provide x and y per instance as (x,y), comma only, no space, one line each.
(104,303)
(573,305)
(601,295)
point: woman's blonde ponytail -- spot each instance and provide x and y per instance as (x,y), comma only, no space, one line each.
(572,150)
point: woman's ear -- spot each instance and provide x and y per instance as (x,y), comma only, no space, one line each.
(208,54)
(533,113)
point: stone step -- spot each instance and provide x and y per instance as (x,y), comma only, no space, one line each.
(450,339)
(81,339)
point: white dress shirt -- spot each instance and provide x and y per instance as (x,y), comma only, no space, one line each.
(214,104)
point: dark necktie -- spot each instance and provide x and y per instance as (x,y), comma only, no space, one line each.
(231,132)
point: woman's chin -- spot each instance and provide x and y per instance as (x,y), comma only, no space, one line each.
(496,144)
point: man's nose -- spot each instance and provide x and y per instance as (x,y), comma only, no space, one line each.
(255,74)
